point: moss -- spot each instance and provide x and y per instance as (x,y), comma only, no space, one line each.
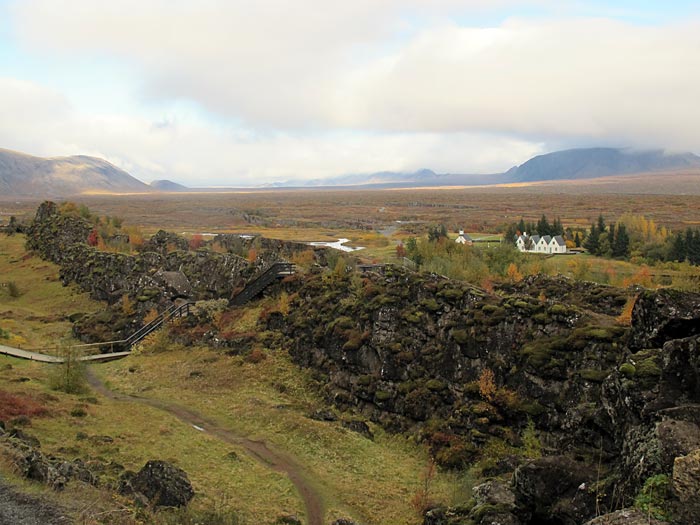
(538,353)
(540,318)
(482,511)
(436,385)
(365,380)
(523,305)
(489,308)
(451,294)
(628,370)
(593,375)
(430,304)
(648,368)
(412,317)
(558,309)
(460,336)
(382,395)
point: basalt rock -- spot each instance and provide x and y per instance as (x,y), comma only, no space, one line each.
(625,517)
(160,482)
(686,484)
(664,315)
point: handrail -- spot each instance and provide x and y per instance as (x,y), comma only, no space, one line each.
(173,311)
(276,270)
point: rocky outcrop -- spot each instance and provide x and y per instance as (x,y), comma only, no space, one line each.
(159,483)
(664,315)
(686,485)
(625,517)
(55,472)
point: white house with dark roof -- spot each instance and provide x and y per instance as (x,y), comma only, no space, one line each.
(557,244)
(537,244)
(464,238)
(542,245)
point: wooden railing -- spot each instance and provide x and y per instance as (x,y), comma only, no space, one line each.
(276,271)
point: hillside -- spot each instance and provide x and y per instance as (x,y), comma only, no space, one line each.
(167,186)
(24,175)
(599,162)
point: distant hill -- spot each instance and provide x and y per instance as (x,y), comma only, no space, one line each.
(167,185)
(24,175)
(599,162)
(574,164)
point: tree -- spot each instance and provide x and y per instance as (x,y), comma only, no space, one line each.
(435,233)
(93,238)
(592,243)
(521,226)
(557,227)
(601,224)
(543,227)
(620,246)
(196,241)
(577,240)
(400,251)
(678,250)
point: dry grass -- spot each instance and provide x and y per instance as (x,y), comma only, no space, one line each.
(373,481)
(39,316)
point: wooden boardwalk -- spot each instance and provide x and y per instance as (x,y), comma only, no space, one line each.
(44,358)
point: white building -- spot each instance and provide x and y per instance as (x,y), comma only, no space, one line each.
(537,244)
(464,238)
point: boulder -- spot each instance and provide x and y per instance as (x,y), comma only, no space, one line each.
(556,489)
(624,517)
(162,484)
(686,484)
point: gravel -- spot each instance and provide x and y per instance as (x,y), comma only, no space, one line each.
(22,509)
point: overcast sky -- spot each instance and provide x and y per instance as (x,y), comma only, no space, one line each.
(246,92)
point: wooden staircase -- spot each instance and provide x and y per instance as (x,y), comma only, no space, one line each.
(175,311)
(276,271)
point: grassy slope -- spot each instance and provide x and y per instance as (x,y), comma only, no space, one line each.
(372,481)
(39,316)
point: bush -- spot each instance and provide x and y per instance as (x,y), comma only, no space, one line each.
(13,289)
(69,376)
(654,497)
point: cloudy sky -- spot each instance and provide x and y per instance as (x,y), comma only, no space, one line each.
(245,92)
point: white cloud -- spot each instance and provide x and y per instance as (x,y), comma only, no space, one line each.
(315,88)
(195,152)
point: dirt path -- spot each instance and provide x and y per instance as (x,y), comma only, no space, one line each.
(258,449)
(17,508)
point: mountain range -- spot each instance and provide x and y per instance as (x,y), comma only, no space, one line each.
(25,175)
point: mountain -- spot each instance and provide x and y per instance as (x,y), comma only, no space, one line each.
(592,163)
(168,186)
(573,164)
(23,175)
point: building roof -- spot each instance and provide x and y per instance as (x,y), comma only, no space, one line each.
(464,236)
(546,239)
(535,239)
(559,240)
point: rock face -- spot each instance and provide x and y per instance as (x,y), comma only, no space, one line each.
(625,517)
(161,483)
(686,484)
(612,406)
(663,316)
(555,489)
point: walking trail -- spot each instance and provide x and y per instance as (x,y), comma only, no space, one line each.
(258,449)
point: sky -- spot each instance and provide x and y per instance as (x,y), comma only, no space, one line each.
(251,92)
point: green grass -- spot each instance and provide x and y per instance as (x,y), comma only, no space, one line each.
(39,316)
(373,481)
